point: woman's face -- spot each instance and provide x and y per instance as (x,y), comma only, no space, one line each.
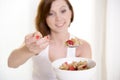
(59,16)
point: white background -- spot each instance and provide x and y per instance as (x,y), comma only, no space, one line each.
(96,21)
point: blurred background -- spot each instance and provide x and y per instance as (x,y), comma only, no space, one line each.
(96,21)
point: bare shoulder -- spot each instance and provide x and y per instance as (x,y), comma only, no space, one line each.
(84,50)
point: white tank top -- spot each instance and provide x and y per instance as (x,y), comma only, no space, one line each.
(42,68)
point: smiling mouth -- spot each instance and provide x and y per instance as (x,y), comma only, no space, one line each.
(60,25)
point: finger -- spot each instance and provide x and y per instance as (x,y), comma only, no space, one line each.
(37,48)
(30,38)
(30,41)
(42,46)
(42,41)
(32,47)
(37,35)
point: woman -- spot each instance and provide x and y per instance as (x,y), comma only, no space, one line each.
(48,43)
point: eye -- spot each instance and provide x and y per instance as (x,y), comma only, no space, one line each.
(63,11)
(50,14)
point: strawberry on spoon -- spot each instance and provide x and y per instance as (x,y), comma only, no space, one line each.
(72,43)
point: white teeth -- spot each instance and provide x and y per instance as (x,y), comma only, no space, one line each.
(59,25)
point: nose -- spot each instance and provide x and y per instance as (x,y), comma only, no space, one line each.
(58,17)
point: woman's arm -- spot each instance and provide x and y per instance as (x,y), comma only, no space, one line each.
(19,57)
(34,44)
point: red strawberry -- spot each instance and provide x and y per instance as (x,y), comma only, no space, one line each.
(70,42)
(71,67)
(37,37)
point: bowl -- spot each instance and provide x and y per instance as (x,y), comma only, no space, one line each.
(86,74)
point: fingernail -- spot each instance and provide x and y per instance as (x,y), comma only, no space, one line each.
(37,37)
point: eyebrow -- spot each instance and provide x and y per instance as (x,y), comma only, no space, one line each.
(64,6)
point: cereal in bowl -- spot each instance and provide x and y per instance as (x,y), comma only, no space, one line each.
(74,66)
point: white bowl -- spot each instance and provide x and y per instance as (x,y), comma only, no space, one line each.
(74,75)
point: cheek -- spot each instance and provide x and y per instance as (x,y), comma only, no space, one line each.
(49,21)
(68,16)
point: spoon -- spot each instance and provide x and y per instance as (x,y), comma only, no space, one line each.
(73,46)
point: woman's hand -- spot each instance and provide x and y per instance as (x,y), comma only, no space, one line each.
(35,43)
